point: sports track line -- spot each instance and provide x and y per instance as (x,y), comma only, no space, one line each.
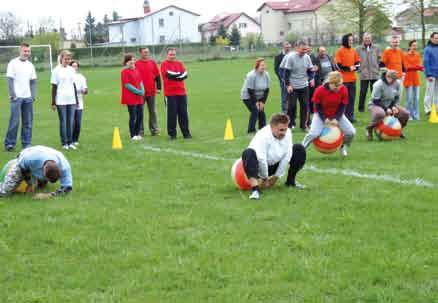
(330,171)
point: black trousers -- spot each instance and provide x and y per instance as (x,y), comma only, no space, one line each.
(349,111)
(364,84)
(251,164)
(255,115)
(177,110)
(301,95)
(135,119)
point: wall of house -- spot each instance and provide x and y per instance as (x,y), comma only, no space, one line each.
(273,25)
(251,26)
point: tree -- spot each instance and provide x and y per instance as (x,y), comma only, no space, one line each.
(116,16)
(235,36)
(249,41)
(54,39)
(212,40)
(222,31)
(9,26)
(420,7)
(90,29)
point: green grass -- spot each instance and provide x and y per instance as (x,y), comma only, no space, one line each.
(145,226)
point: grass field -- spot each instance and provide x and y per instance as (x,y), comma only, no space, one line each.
(161,221)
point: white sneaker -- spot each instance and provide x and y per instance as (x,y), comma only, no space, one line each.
(65,147)
(71,146)
(344,152)
(75,143)
(255,195)
(135,138)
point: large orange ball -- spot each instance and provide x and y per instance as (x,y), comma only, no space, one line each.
(389,129)
(330,140)
(239,177)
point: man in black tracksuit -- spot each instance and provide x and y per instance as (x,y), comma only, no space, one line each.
(277,61)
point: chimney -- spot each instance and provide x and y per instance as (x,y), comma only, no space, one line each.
(146,7)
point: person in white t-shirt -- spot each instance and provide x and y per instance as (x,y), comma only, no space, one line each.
(21,77)
(64,98)
(270,153)
(82,90)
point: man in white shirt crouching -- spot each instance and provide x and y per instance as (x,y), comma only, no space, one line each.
(270,153)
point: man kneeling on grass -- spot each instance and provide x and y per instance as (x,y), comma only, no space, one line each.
(38,164)
(268,155)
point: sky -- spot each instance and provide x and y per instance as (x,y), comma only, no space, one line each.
(70,12)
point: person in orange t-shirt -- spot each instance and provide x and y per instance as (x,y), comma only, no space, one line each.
(392,58)
(412,63)
(348,61)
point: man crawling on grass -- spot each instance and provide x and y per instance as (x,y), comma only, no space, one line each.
(37,165)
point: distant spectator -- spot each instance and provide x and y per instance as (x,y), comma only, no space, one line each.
(64,98)
(278,59)
(132,95)
(370,56)
(348,62)
(174,73)
(82,90)
(21,77)
(255,93)
(430,61)
(150,76)
(392,58)
(412,62)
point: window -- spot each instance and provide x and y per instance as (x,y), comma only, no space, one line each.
(171,14)
(133,40)
(242,25)
(162,39)
(161,22)
(281,34)
(267,11)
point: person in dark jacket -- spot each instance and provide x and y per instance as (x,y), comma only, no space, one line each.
(430,61)
(287,47)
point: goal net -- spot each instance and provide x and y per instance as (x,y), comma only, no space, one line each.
(41,57)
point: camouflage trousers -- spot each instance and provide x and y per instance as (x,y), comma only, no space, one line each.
(12,179)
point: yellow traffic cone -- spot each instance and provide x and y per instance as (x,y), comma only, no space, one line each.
(117,142)
(229,135)
(433,115)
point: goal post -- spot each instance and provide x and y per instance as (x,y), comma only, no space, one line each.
(41,56)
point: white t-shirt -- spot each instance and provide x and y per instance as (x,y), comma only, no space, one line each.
(22,72)
(64,77)
(81,85)
(271,151)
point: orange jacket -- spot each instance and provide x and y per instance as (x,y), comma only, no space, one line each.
(393,60)
(412,62)
(345,58)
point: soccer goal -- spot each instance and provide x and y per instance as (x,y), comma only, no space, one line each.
(41,56)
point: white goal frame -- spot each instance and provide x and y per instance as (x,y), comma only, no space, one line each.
(32,46)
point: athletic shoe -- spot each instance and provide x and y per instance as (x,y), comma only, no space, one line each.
(255,195)
(65,147)
(75,143)
(71,146)
(135,138)
(188,136)
(344,152)
(9,148)
(295,185)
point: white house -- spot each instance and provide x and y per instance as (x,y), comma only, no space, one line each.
(242,21)
(170,24)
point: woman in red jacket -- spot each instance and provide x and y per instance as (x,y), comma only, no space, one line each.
(132,95)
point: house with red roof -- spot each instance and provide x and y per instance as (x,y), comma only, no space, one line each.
(171,24)
(242,21)
(307,19)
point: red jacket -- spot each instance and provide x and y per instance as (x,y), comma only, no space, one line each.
(330,101)
(130,76)
(173,87)
(148,70)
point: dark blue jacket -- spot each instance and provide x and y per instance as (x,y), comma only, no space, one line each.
(430,60)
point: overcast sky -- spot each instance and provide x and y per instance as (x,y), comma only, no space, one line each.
(73,11)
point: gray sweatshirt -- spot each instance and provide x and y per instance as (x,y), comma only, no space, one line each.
(257,82)
(385,95)
(298,67)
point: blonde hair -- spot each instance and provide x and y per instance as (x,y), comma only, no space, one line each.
(334,78)
(62,54)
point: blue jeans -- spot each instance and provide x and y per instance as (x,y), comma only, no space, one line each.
(66,114)
(284,95)
(23,108)
(412,103)
(77,125)
(135,119)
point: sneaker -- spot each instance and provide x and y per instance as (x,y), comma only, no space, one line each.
(135,138)
(255,195)
(295,185)
(344,152)
(65,147)
(9,148)
(139,138)
(71,146)
(188,136)
(75,144)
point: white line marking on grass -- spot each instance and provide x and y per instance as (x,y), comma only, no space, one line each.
(330,171)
